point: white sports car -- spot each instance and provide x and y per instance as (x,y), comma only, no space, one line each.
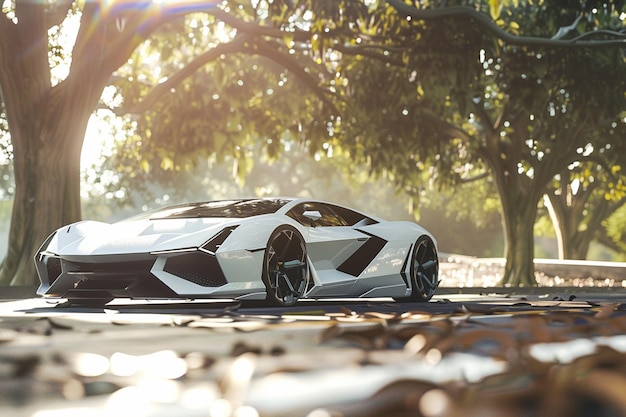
(274,249)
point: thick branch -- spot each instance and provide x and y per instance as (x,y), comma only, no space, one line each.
(5,24)
(239,44)
(445,127)
(294,67)
(116,32)
(490,26)
(371,51)
(29,39)
(7,33)
(88,26)
(488,127)
(143,21)
(453,131)
(261,30)
(466,180)
(172,82)
(57,13)
(566,153)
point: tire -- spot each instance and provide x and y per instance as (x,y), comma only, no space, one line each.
(424,270)
(285,267)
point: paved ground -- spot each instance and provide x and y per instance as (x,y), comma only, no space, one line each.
(468,352)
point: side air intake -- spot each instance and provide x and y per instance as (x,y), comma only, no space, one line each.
(197,267)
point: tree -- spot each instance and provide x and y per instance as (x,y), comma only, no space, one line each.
(518,106)
(582,198)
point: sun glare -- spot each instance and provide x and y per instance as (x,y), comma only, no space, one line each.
(104,128)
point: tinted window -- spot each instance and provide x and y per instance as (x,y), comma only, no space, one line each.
(225,208)
(352,217)
(331,215)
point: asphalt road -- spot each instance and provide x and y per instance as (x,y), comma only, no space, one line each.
(467,352)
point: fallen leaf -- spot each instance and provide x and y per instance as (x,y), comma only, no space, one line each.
(606,311)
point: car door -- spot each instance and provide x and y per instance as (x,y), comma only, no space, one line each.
(331,246)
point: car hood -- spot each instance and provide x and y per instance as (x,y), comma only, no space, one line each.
(130,237)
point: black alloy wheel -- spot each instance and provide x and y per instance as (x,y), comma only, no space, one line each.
(285,267)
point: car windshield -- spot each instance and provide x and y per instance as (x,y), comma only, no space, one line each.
(223,208)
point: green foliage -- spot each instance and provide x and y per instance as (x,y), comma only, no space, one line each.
(224,107)
(206,118)
(616,227)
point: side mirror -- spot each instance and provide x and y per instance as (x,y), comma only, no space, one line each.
(312,215)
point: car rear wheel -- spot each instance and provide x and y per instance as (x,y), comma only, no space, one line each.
(424,270)
(285,267)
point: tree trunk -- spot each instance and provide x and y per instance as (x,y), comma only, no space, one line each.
(574,229)
(519,197)
(47,126)
(559,231)
(47,179)
(519,270)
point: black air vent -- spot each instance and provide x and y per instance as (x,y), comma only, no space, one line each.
(112,268)
(216,241)
(197,267)
(53,267)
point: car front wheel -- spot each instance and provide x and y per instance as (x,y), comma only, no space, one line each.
(285,267)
